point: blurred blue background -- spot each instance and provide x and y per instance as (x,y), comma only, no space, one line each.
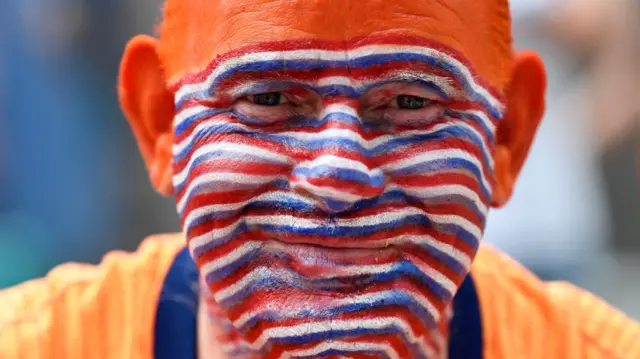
(73,186)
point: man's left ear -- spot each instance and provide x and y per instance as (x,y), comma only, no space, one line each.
(148,105)
(525,105)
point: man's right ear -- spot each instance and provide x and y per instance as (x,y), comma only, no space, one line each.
(149,107)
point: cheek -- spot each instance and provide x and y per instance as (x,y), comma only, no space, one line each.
(440,147)
(226,163)
(449,168)
(236,152)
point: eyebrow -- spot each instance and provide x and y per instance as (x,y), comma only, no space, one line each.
(327,86)
(363,59)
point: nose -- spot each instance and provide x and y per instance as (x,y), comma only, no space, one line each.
(338,172)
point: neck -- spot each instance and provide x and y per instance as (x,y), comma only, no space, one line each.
(218,339)
(207,348)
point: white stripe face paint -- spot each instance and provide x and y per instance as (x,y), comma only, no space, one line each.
(309,230)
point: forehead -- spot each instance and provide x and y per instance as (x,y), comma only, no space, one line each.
(358,66)
(195,32)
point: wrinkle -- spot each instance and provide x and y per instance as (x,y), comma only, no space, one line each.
(421,16)
(453,11)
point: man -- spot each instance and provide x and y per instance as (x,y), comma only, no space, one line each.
(333,164)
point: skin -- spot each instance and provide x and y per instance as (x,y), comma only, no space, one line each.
(203,141)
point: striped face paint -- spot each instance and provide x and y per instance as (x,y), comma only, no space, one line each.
(334,194)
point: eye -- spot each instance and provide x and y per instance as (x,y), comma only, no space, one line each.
(404,110)
(275,106)
(409,102)
(268,99)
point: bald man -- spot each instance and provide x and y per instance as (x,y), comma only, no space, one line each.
(333,163)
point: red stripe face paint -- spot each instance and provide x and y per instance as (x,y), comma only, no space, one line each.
(334,195)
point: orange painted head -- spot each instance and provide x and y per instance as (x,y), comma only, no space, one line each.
(193,33)
(333,161)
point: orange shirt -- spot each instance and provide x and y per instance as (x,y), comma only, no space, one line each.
(81,311)
(109,311)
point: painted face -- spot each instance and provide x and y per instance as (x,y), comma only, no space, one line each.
(333,193)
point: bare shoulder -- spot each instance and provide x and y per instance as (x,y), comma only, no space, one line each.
(44,318)
(523,315)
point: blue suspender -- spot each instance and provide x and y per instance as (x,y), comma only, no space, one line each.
(175,331)
(465,340)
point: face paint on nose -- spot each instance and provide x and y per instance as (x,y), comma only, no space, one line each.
(314,225)
(339,173)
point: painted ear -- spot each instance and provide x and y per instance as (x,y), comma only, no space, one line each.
(525,105)
(148,106)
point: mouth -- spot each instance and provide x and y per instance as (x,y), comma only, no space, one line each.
(376,242)
(350,267)
(336,252)
(334,243)
(314,270)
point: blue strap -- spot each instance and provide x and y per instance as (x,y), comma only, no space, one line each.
(465,336)
(175,332)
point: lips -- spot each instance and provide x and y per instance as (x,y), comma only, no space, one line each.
(341,253)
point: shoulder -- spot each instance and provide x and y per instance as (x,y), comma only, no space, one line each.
(524,316)
(79,308)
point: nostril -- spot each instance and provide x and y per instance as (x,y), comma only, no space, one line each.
(334,206)
(375,179)
(325,203)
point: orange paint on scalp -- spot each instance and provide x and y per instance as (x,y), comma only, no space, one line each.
(195,32)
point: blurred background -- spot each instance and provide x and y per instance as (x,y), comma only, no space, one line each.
(73,186)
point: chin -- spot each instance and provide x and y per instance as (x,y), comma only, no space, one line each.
(372,281)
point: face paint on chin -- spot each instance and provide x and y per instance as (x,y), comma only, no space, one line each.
(322,232)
